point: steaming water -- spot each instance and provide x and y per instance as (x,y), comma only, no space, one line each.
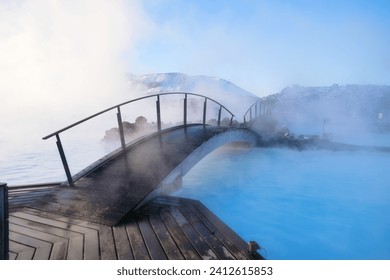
(299,205)
(296,205)
(41,163)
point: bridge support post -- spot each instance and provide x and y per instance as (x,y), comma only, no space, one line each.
(64,161)
(120,127)
(185,110)
(204,111)
(158,113)
(219,116)
(256,111)
(4,225)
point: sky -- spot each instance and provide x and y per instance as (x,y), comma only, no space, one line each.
(64,60)
(264,46)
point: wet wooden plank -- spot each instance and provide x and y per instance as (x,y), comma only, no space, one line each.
(218,234)
(76,248)
(42,248)
(12,256)
(224,229)
(61,218)
(167,228)
(60,245)
(196,240)
(75,240)
(122,243)
(76,243)
(137,243)
(20,251)
(59,251)
(152,243)
(91,245)
(214,243)
(106,240)
(90,239)
(182,241)
(166,240)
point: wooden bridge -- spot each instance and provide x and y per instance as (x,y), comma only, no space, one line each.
(118,207)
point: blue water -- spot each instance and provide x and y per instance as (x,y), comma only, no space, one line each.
(296,205)
(299,205)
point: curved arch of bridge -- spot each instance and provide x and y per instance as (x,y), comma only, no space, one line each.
(113,187)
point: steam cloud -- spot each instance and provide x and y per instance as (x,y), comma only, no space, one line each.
(63,58)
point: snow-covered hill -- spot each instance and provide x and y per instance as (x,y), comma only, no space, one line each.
(228,94)
(302,109)
(349,107)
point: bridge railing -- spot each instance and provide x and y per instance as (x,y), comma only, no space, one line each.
(203,119)
(257,110)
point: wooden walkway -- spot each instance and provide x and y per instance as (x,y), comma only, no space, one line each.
(106,192)
(166,228)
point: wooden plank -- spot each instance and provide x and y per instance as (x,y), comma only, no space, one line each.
(91,245)
(76,248)
(90,241)
(60,245)
(166,241)
(182,241)
(218,234)
(61,218)
(21,251)
(191,204)
(12,256)
(43,227)
(222,227)
(122,243)
(107,247)
(59,251)
(214,243)
(152,243)
(137,243)
(24,193)
(43,249)
(75,243)
(196,240)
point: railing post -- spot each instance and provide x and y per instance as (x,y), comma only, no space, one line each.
(231,121)
(4,225)
(185,110)
(64,162)
(219,115)
(120,126)
(256,111)
(204,111)
(158,113)
(250,114)
(261,108)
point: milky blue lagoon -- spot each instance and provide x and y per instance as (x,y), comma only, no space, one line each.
(311,204)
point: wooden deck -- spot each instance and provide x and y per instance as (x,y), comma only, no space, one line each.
(166,228)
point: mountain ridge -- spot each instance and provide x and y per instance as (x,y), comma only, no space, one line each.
(235,98)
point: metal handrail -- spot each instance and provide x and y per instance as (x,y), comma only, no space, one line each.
(119,119)
(260,109)
(128,102)
(254,105)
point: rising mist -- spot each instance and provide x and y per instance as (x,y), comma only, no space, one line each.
(63,60)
